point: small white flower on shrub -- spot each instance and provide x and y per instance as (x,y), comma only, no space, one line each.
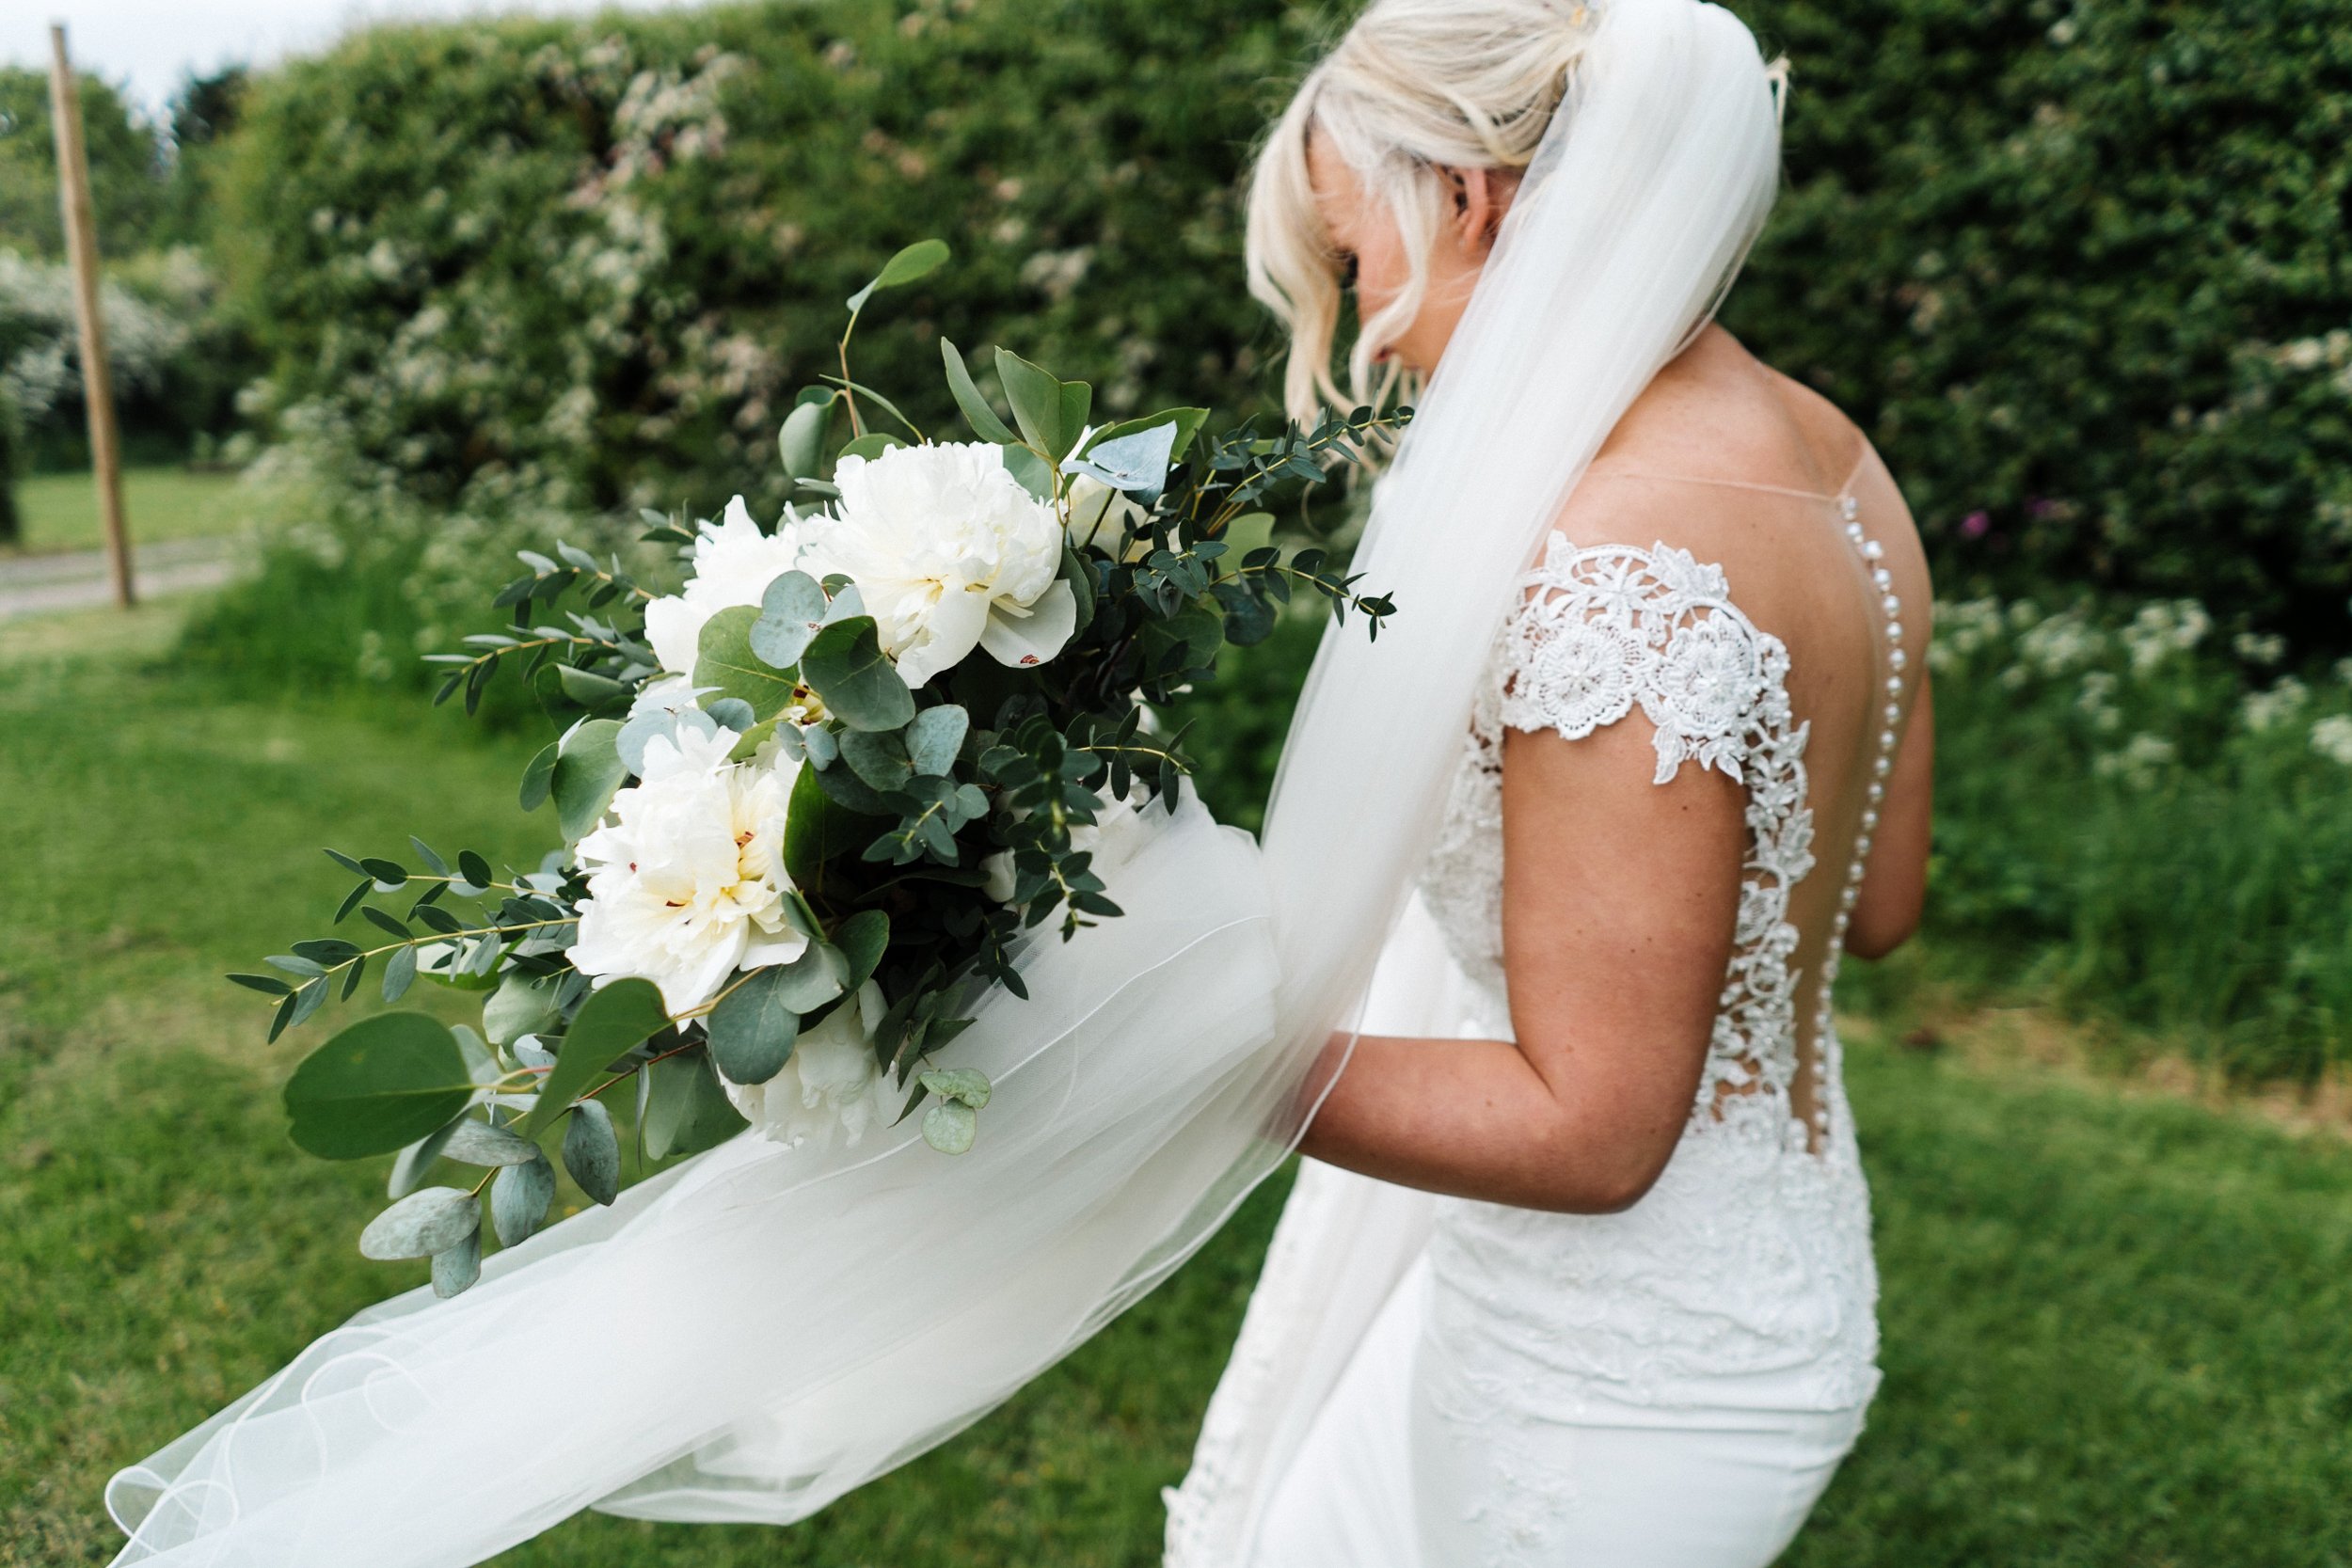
(733,564)
(2163,627)
(686,878)
(948,553)
(2331,738)
(2139,761)
(2265,710)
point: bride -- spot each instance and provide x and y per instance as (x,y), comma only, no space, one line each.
(1637,1324)
(1580,1269)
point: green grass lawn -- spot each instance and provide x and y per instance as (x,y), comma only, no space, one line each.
(2118,1330)
(60,510)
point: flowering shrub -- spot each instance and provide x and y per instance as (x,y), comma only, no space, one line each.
(578,262)
(2074,267)
(175,358)
(2155,820)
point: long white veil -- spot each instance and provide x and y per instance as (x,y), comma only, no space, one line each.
(752,1334)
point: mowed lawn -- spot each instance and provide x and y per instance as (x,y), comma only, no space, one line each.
(2119,1329)
(60,512)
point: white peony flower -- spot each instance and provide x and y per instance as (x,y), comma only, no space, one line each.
(733,564)
(686,878)
(831,1085)
(949,553)
(1100,515)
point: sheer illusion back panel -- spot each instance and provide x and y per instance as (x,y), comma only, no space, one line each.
(1835,577)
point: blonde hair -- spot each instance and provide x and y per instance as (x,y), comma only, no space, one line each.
(1413,85)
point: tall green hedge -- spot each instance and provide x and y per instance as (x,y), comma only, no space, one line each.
(2080,268)
(598,259)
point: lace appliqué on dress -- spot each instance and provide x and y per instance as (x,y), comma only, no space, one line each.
(1752,1252)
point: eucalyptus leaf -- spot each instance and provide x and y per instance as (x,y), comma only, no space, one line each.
(727,665)
(914,261)
(1187,422)
(791,612)
(870,445)
(879,757)
(592,1152)
(731,713)
(380,1083)
(977,413)
(1136,464)
(456,1269)
(948,1126)
(587,775)
(935,737)
(520,1199)
(1033,474)
(863,939)
(635,732)
(1051,412)
(538,777)
(612,1022)
(964,1085)
(591,690)
(802,440)
(478,1143)
(416,1161)
(687,1111)
(425,1221)
(480,1066)
(844,666)
(517,1007)
(818,828)
(753,1028)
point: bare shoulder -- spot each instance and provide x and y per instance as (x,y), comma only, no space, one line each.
(1717,413)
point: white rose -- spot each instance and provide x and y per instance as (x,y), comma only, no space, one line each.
(686,878)
(733,564)
(949,553)
(831,1084)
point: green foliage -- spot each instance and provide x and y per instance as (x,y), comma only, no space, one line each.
(384,1082)
(128,167)
(590,260)
(2081,271)
(2077,269)
(178,358)
(177,361)
(2122,815)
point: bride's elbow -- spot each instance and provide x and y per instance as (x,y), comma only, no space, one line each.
(1876,932)
(1600,1177)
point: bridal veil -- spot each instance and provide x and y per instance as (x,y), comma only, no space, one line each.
(758,1330)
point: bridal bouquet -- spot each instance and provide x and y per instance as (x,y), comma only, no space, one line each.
(813,803)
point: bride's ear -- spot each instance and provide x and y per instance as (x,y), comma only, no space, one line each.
(1477,201)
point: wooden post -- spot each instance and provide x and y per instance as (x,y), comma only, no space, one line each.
(81,245)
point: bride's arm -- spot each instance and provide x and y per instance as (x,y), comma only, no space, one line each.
(1619,901)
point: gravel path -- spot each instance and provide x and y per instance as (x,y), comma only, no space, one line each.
(33,584)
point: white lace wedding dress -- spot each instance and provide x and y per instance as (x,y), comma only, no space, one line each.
(1503,1388)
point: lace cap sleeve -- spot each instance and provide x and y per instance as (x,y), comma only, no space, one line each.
(1608,627)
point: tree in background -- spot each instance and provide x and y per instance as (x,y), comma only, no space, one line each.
(178,358)
(203,112)
(129,167)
